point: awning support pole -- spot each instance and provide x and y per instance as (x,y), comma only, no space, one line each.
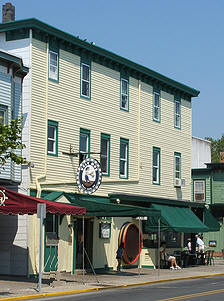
(83,248)
(139,241)
(158,253)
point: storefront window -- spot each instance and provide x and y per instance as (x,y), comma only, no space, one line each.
(172,239)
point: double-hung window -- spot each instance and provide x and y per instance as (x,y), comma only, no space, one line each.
(105,154)
(52,138)
(199,190)
(85,80)
(3,115)
(156,106)
(156,165)
(177,165)
(84,145)
(53,65)
(124,153)
(177,113)
(124,94)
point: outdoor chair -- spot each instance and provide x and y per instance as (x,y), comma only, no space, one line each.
(207,257)
(164,264)
(211,258)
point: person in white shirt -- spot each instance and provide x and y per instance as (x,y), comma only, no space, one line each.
(200,248)
(200,244)
(189,245)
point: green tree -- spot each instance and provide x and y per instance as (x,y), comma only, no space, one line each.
(217,146)
(10,140)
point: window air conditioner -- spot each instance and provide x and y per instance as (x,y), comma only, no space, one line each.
(177,182)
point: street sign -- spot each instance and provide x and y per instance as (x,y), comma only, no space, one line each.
(41,210)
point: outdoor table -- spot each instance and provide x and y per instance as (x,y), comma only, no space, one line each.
(188,258)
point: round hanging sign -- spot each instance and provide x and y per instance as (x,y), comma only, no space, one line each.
(89,176)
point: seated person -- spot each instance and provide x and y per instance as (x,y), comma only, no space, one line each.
(169,258)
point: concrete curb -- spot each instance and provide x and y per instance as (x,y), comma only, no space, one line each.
(35,296)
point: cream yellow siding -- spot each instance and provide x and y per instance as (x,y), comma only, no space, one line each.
(38,109)
(61,102)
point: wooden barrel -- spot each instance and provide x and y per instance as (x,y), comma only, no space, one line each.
(129,236)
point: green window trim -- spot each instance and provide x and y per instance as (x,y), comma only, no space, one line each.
(158,166)
(106,137)
(53,51)
(156,107)
(126,160)
(86,133)
(53,124)
(124,79)
(177,155)
(177,115)
(4,115)
(84,62)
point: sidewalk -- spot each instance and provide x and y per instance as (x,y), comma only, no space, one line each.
(11,287)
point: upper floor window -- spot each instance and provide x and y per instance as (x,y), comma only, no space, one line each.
(156,106)
(52,138)
(105,154)
(177,113)
(199,190)
(156,165)
(177,166)
(53,65)
(124,94)
(84,145)
(3,115)
(85,80)
(124,149)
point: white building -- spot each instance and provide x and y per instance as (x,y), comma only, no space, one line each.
(201,152)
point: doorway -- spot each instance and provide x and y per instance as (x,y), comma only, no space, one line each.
(51,243)
(88,243)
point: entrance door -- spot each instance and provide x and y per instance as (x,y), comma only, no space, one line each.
(51,243)
(88,243)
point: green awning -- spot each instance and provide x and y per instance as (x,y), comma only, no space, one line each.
(94,208)
(217,209)
(174,218)
(210,221)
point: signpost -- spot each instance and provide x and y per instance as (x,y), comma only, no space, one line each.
(41,214)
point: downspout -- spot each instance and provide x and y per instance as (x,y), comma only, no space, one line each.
(38,178)
(211,183)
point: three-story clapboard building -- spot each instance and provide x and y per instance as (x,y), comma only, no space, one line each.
(82,100)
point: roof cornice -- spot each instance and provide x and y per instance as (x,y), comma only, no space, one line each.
(17,62)
(140,70)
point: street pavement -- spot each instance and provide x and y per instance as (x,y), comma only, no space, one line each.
(11,287)
(203,289)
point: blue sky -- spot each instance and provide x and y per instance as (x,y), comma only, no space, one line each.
(180,39)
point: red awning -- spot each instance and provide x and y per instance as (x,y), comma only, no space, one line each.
(16,203)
